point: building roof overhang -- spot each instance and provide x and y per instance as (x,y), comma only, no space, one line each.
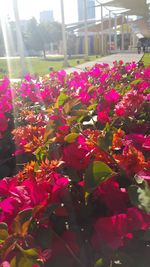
(134,7)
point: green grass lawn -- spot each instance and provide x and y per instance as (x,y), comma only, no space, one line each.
(146,59)
(37,65)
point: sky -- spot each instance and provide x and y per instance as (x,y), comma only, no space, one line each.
(29,8)
(32,8)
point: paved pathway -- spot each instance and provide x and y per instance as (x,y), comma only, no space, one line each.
(126,57)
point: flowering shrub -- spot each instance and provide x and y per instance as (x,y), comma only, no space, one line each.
(81,192)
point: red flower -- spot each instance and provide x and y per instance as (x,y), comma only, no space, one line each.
(136,220)
(3,123)
(76,156)
(110,231)
(115,199)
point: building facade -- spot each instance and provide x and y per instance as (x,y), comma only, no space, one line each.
(90,9)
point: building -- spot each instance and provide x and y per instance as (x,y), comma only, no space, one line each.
(90,9)
(46,16)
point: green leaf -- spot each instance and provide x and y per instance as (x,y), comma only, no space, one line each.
(62,98)
(22,221)
(79,112)
(71,120)
(3,234)
(91,88)
(136,81)
(99,263)
(140,196)
(3,231)
(3,226)
(22,262)
(32,252)
(86,197)
(36,166)
(92,107)
(69,105)
(13,262)
(71,138)
(97,173)
(49,131)
(8,246)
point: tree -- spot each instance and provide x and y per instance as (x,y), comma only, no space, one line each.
(50,33)
(32,38)
(55,29)
(39,36)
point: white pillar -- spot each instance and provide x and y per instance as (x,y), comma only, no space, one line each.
(19,38)
(122,34)
(64,35)
(110,31)
(86,31)
(115,36)
(134,40)
(102,33)
(128,31)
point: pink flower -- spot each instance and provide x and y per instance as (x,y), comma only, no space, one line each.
(4,84)
(9,208)
(137,140)
(3,123)
(120,111)
(103,117)
(6,186)
(112,96)
(5,264)
(144,174)
(130,104)
(146,144)
(104,77)
(148,97)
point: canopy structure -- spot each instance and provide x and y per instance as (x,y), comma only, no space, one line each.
(121,24)
(138,8)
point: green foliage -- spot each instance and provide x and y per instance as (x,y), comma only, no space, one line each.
(22,222)
(140,196)
(99,263)
(146,59)
(3,232)
(97,173)
(71,138)
(62,98)
(22,261)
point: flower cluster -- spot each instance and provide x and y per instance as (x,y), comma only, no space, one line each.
(81,192)
(5,105)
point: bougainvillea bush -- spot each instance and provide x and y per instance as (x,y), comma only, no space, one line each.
(80,192)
